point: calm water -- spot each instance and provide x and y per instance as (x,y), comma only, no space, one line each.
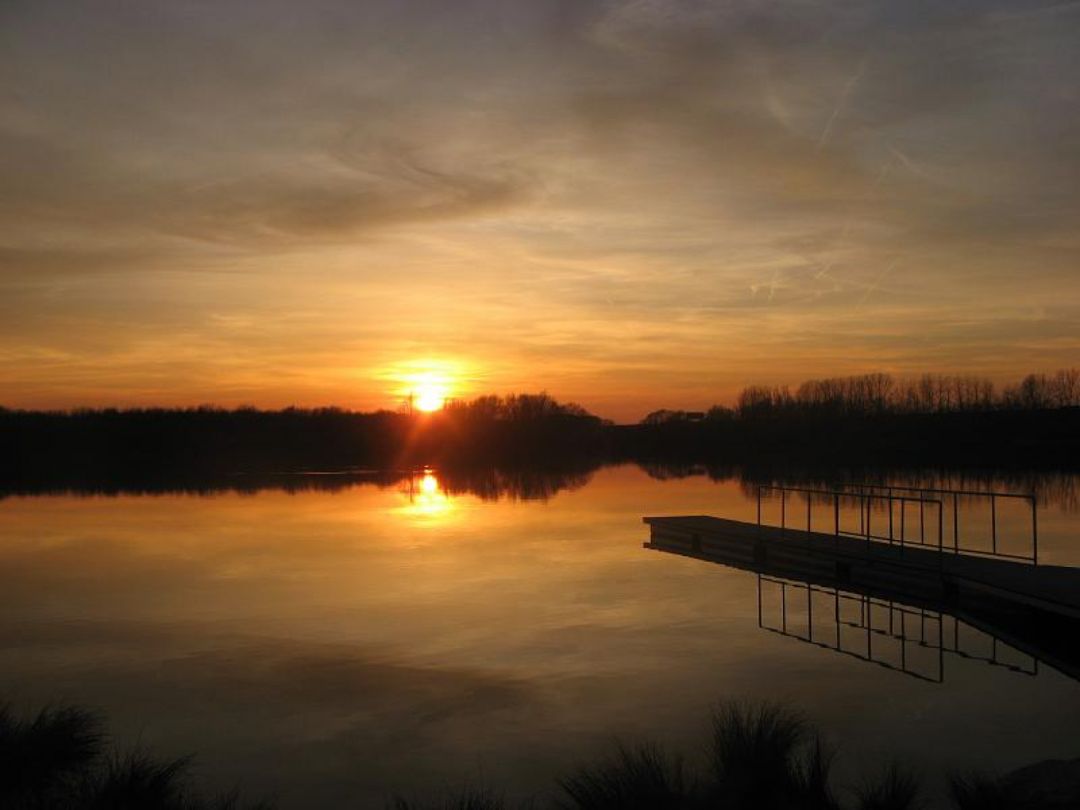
(333,647)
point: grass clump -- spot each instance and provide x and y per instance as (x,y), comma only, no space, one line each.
(635,778)
(59,760)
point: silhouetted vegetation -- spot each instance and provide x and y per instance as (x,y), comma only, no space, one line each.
(485,482)
(894,789)
(640,777)
(59,760)
(959,420)
(466,799)
(158,448)
(759,757)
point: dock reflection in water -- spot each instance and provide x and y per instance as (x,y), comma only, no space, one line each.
(912,640)
(904,608)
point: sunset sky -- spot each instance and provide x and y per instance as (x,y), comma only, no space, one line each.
(626,204)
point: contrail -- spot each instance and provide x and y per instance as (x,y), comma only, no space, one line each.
(886,167)
(910,164)
(874,286)
(841,103)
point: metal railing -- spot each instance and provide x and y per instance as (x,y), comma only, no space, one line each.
(954,496)
(865,504)
(863,497)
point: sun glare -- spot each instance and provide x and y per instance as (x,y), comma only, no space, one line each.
(429,397)
(426,385)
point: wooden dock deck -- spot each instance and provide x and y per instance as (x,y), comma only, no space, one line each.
(921,572)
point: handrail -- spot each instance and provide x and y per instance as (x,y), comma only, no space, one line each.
(868,493)
(967,493)
(864,514)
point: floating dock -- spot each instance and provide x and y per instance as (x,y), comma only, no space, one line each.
(831,558)
(1034,608)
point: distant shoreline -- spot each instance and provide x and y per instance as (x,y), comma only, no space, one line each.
(872,420)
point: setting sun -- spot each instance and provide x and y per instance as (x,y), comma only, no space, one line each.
(429,397)
(427,384)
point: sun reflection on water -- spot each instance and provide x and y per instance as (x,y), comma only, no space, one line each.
(425,498)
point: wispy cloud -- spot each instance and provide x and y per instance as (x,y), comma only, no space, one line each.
(558,193)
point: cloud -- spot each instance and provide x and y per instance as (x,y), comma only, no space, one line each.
(600,166)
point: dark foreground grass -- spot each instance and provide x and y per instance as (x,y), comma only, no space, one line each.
(758,757)
(60,759)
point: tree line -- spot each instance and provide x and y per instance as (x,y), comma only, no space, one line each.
(121,448)
(875,394)
(934,419)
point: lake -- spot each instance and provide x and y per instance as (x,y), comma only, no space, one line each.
(332,644)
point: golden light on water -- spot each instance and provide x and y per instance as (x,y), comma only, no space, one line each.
(429,484)
(426,500)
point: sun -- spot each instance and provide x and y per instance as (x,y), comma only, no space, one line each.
(426,385)
(429,397)
(429,390)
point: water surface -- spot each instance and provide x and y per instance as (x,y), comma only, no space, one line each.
(329,647)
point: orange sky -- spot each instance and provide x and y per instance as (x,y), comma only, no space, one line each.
(627,204)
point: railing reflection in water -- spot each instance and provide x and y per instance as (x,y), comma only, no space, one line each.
(910,640)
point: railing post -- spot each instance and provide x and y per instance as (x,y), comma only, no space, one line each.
(941,534)
(864,512)
(836,514)
(922,520)
(1034,533)
(993,523)
(759,507)
(783,508)
(809,502)
(903,517)
(956,523)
